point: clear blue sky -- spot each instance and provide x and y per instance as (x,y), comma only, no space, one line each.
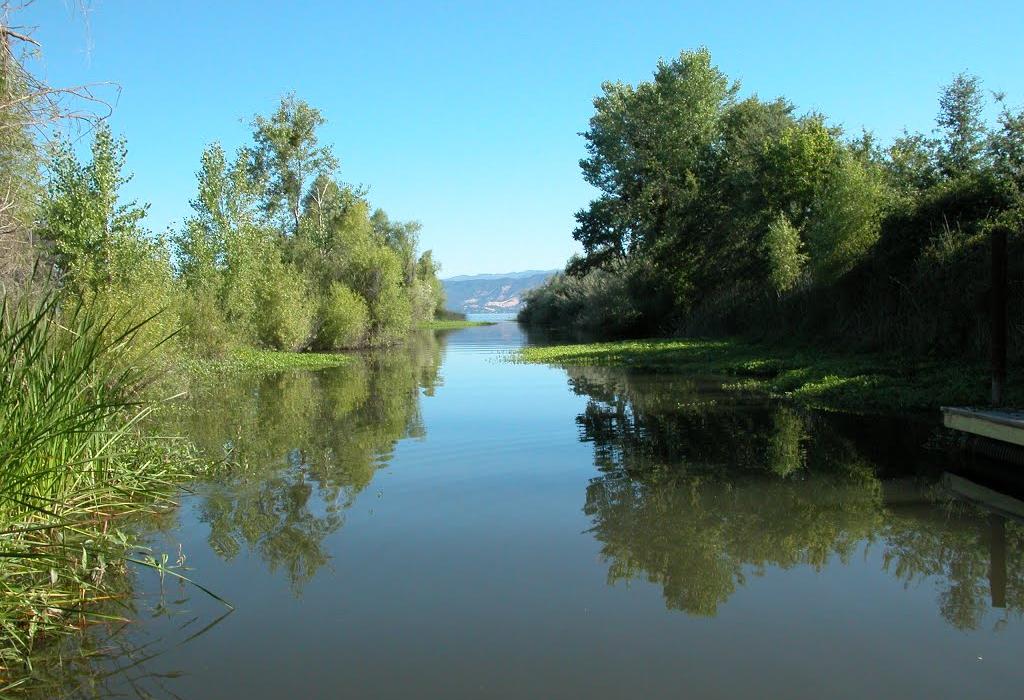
(465,116)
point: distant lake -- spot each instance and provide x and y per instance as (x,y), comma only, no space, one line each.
(437,522)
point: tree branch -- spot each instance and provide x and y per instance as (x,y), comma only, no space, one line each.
(5,31)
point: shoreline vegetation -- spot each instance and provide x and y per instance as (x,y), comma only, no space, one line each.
(281,265)
(812,377)
(78,462)
(452,325)
(258,361)
(721,216)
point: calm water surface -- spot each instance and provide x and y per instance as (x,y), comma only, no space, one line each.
(439,522)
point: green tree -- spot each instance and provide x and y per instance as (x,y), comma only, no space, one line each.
(225,247)
(963,135)
(646,148)
(429,297)
(375,271)
(784,252)
(846,220)
(402,237)
(911,164)
(287,156)
(101,248)
(84,217)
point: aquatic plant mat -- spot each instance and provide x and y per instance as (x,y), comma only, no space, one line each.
(860,382)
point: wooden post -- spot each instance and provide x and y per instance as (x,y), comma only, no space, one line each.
(998,329)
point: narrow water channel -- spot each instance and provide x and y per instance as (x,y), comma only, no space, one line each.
(439,522)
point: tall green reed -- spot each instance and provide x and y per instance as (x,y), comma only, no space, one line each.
(75,463)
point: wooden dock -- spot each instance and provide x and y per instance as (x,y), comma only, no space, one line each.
(994,424)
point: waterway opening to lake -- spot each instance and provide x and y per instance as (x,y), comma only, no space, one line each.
(436,521)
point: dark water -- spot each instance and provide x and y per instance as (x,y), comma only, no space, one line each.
(438,522)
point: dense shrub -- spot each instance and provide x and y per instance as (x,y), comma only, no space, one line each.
(391,314)
(344,321)
(285,319)
(204,331)
(599,301)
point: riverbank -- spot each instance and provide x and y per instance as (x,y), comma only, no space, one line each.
(856,382)
(453,325)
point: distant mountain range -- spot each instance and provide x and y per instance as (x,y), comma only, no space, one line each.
(495,293)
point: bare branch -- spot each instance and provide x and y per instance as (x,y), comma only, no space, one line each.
(27,102)
(5,31)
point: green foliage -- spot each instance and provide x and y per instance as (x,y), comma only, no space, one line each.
(278,247)
(784,252)
(910,164)
(647,147)
(84,218)
(446,315)
(391,315)
(205,332)
(251,362)
(847,221)
(453,325)
(799,166)
(600,301)
(428,292)
(74,462)
(345,319)
(718,216)
(223,251)
(101,250)
(286,155)
(401,237)
(286,313)
(963,134)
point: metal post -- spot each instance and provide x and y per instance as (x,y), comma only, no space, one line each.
(998,315)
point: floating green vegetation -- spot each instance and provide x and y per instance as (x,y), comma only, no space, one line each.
(860,382)
(453,325)
(251,361)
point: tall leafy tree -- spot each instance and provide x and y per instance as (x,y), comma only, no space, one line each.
(287,155)
(403,237)
(84,216)
(224,248)
(101,248)
(962,132)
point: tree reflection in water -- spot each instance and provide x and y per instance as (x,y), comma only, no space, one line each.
(305,445)
(698,493)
